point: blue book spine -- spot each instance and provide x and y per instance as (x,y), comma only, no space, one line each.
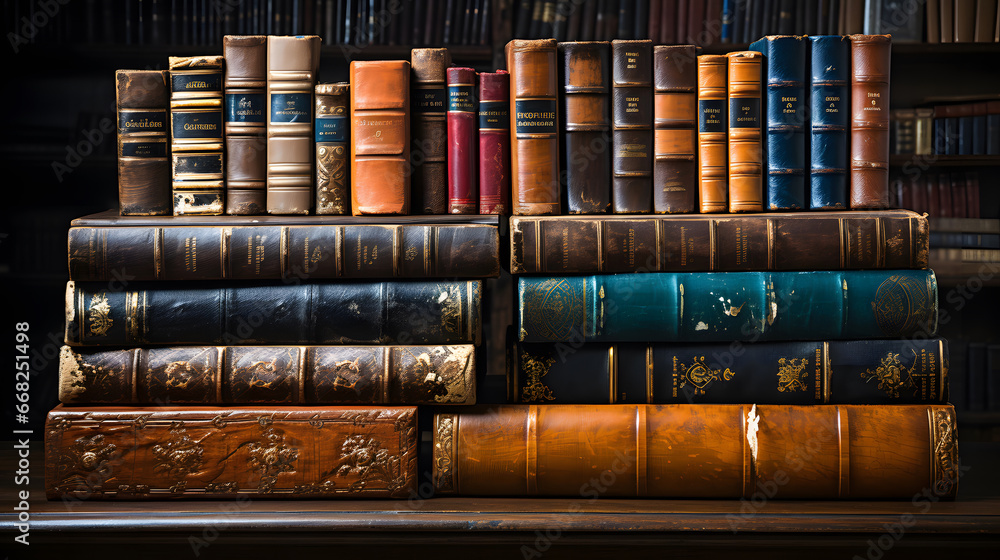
(786,110)
(730,306)
(829,101)
(728,8)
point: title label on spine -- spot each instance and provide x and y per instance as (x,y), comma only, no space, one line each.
(462,98)
(291,107)
(245,107)
(744,112)
(201,81)
(428,100)
(712,115)
(153,122)
(535,116)
(331,129)
(494,115)
(206,125)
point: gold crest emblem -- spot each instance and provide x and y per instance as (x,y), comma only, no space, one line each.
(699,375)
(792,374)
(891,375)
(536,369)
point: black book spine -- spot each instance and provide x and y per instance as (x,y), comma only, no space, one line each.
(626,17)
(588,21)
(485,23)
(786,17)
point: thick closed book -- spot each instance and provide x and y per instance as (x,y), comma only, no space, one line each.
(675,116)
(829,119)
(586,82)
(870,60)
(333,151)
(632,126)
(275,452)
(429,105)
(246,123)
(463,141)
(746,192)
(494,142)
(748,451)
(196,137)
(713,134)
(718,307)
(144,187)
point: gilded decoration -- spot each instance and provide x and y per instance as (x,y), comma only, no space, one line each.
(945,451)
(179,456)
(98,315)
(270,457)
(444,476)
(699,375)
(792,374)
(891,375)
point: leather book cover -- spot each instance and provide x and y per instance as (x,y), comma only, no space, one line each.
(885,239)
(380,137)
(854,16)
(993,127)
(144,185)
(463,141)
(870,121)
(784,107)
(985,20)
(698,451)
(332,149)
(745,142)
(626,15)
(632,126)
(415,312)
(292,70)
(269,452)
(534,156)
(793,373)
(830,70)
(196,134)
(429,105)
(585,75)
(246,123)
(675,115)
(959,202)
(494,142)
(965,21)
(713,133)
(681,23)
(932,19)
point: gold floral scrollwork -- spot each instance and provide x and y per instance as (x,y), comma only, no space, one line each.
(98,315)
(178,488)
(133,490)
(700,375)
(365,458)
(946,471)
(444,476)
(792,374)
(221,488)
(178,457)
(535,369)
(270,457)
(891,375)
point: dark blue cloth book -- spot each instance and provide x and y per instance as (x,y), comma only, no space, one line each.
(829,103)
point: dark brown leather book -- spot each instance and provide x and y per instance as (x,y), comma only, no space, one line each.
(586,82)
(534,156)
(429,104)
(246,123)
(274,375)
(275,452)
(713,133)
(891,239)
(985,20)
(380,137)
(632,122)
(675,118)
(870,57)
(144,187)
(196,134)
(932,16)
(965,21)
(748,451)
(332,148)
(746,191)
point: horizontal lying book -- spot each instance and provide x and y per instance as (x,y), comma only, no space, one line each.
(414,312)
(115,453)
(270,375)
(724,243)
(298,248)
(721,307)
(834,372)
(820,452)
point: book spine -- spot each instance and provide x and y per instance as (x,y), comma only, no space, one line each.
(292,68)
(784,70)
(675,80)
(632,126)
(429,104)
(713,128)
(332,149)
(979,129)
(870,121)
(558,450)
(534,157)
(829,98)
(144,187)
(586,77)
(709,307)
(790,373)
(745,153)
(965,125)
(494,142)
(278,452)
(196,134)
(246,124)
(728,15)
(463,147)
(274,375)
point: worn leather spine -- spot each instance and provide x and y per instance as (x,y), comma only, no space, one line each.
(586,82)
(494,142)
(713,133)
(246,123)
(749,451)
(632,122)
(830,68)
(252,452)
(746,192)
(144,187)
(332,149)
(429,103)
(274,375)
(380,137)
(870,58)
(196,134)
(463,141)
(675,116)
(292,70)
(534,134)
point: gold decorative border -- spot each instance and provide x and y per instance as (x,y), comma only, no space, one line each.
(444,453)
(944,451)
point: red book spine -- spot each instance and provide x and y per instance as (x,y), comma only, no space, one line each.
(494,142)
(463,153)
(972,193)
(944,196)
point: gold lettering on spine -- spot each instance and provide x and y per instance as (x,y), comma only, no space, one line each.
(649,375)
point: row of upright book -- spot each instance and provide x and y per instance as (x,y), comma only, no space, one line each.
(960,129)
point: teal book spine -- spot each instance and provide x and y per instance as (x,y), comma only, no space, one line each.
(716,307)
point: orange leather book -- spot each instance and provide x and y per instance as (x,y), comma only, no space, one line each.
(870,121)
(746,193)
(534,132)
(713,128)
(380,137)
(675,116)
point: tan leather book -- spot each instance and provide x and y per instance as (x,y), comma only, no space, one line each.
(429,104)
(745,150)
(380,137)
(965,21)
(196,134)
(713,133)
(932,21)
(870,57)
(534,155)
(142,97)
(675,119)
(292,68)
(332,148)
(632,126)
(246,124)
